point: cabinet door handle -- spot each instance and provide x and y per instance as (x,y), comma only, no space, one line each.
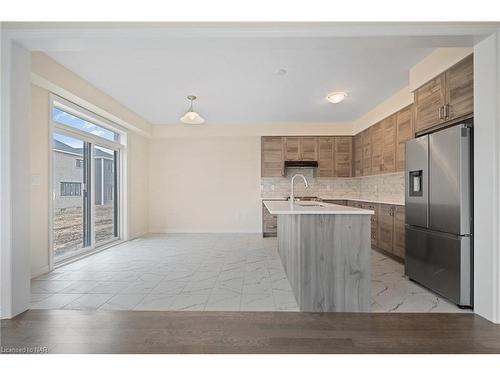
(440,112)
(447,111)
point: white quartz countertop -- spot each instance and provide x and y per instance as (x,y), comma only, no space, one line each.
(312,208)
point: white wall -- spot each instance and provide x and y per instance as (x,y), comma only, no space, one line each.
(389,106)
(138,185)
(15,246)
(486,178)
(55,77)
(249,130)
(39,218)
(205,184)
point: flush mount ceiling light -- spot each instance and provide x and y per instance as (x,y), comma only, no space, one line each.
(336,97)
(191,117)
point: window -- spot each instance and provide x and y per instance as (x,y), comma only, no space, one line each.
(66,118)
(71,189)
(86,180)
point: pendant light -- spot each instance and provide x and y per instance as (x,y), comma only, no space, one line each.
(191,117)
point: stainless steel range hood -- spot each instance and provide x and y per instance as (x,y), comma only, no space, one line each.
(301,164)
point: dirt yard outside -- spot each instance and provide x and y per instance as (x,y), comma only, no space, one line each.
(68,228)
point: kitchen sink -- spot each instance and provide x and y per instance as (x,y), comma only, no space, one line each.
(310,203)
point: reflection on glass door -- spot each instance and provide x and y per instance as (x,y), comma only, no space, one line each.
(71,214)
(105,193)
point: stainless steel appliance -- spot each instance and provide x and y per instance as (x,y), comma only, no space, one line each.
(439,225)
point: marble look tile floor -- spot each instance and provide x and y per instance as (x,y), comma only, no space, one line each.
(205,272)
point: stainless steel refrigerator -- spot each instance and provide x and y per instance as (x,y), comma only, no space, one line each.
(438,200)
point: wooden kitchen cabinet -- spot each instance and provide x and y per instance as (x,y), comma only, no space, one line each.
(367,152)
(343,157)
(460,89)
(429,101)
(386,227)
(292,148)
(272,157)
(358,155)
(399,232)
(326,150)
(356,204)
(341,202)
(377,146)
(301,148)
(373,221)
(404,132)
(308,148)
(389,144)
(446,97)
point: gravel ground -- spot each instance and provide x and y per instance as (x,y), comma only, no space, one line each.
(68,228)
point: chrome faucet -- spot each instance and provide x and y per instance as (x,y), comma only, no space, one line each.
(292,193)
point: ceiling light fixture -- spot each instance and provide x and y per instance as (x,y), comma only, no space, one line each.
(191,117)
(336,97)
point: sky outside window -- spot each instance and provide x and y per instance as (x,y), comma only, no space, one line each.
(75,122)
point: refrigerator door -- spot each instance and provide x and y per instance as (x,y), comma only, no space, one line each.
(440,262)
(417,181)
(449,180)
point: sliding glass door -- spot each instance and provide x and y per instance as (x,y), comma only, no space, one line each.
(71,216)
(105,202)
(85,185)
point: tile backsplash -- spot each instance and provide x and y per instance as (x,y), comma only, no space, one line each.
(388,188)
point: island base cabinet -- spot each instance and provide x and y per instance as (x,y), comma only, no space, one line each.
(327,261)
(269,223)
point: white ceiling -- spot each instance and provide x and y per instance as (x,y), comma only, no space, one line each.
(236,82)
(231,67)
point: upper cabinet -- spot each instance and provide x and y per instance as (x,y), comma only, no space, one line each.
(381,147)
(333,154)
(389,144)
(447,97)
(377,148)
(308,148)
(404,132)
(301,148)
(358,154)
(272,157)
(326,151)
(460,89)
(429,101)
(367,152)
(292,148)
(343,157)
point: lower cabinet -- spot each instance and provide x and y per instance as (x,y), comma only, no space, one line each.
(399,232)
(341,202)
(269,223)
(387,227)
(373,221)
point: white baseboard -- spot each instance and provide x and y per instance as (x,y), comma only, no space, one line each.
(40,271)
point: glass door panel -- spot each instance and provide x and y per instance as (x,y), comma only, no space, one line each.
(105,194)
(71,215)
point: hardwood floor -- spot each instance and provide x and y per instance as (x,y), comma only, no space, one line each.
(62,331)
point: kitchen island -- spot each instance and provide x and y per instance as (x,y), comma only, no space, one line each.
(325,250)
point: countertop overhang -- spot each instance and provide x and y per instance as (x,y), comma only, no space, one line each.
(285,208)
